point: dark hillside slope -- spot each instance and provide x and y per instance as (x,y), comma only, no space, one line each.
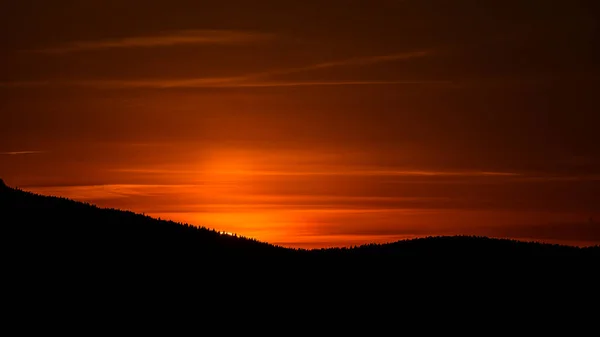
(55,248)
(43,227)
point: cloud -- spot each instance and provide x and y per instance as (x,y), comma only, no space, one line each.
(324,83)
(204,83)
(180,37)
(352,173)
(388,173)
(207,83)
(111,191)
(14,153)
(252,80)
(582,233)
(357,61)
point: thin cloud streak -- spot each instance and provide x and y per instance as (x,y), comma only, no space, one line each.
(16,153)
(371,173)
(326,173)
(515,177)
(327,83)
(181,37)
(110,191)
(358,61)
(206,84)
(253,80)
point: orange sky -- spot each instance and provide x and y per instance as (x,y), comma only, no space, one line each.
(310,124)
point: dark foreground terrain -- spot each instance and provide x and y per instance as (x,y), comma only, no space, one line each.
(45,226)
(63,249)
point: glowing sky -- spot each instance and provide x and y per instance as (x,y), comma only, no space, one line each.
(311,123)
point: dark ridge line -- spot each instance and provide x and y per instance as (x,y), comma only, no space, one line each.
(363,247)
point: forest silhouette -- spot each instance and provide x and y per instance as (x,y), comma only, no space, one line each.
(64,251)
(57,225)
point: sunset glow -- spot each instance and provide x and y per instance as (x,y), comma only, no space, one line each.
(366,125)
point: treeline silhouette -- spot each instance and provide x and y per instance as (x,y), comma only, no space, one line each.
(59,251)
(57,225)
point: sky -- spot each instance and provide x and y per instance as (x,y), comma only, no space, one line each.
(311,123)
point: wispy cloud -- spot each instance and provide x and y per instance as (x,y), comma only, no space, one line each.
(325,83)
(251,80)
(180,37)
(15,153)
(204,83)
(111,191)
(392,173)
(357,61)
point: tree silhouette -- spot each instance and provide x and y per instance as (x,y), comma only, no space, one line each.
(63,231)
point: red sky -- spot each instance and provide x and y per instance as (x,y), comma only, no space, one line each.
(311,123)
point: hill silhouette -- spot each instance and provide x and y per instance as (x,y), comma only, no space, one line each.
(63,226)
(61,251)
